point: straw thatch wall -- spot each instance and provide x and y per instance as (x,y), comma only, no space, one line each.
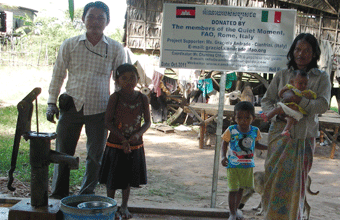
(144,20)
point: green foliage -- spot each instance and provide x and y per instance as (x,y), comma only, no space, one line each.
(44,37)
(28,23)
(40,40)
(76,176)
(334,109)
(6,147)
(117,35)
(6,115)
(77,18)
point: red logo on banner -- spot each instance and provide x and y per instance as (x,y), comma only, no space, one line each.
(277,17)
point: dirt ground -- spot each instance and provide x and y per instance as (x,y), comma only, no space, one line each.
(180,176)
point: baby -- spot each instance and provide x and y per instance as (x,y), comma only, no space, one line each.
(293,111)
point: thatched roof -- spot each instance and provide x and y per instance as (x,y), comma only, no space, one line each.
(8,7)
(329,6)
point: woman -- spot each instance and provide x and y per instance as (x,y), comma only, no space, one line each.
(290,158)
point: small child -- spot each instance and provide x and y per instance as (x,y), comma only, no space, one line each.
(242,139)
(123,163)
(292,110)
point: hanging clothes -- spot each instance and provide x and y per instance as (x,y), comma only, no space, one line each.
(156,80)
(206,86)
(170,83)
(326,58)
(230,77)
(159,110)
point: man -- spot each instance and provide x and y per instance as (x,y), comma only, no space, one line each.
(89,60)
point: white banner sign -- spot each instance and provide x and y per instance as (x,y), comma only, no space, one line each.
(226,38)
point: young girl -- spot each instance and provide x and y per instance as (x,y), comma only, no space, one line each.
(123,163)
(293,112)
(242,138)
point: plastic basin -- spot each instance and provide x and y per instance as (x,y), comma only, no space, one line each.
(90,207)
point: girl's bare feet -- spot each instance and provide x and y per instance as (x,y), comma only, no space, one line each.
(124,212)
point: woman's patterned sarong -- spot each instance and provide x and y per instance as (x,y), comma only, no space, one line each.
(286,168)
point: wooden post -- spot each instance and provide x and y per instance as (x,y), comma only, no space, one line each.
(46,55)
(335,136)
(321,136)
(336,30)
(175,116)
(218,140)
(145,23)
(39,53)
(239,81)
(202,131)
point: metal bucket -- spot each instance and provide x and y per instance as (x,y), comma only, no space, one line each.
(88,207)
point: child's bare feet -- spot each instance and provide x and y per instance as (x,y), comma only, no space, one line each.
(118,216)
(124,212)
(232,217)
(239,215)
(264,117)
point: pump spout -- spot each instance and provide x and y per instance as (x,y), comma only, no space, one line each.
(58,157)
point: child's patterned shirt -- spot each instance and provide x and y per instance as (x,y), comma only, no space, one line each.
(241,146)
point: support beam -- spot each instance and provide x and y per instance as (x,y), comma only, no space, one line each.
(218,140)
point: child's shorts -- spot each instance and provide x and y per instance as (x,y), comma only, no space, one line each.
(240,178)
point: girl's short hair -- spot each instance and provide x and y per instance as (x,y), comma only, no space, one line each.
(100,5)
(126,67)
(245,106)
(309,38)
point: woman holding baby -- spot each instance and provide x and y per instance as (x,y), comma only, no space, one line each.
(290,158)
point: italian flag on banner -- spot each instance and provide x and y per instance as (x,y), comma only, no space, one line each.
(271,16)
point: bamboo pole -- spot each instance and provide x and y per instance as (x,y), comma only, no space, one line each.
(39,53)
(145,23)
(306,20)
(320,24)
(46,55)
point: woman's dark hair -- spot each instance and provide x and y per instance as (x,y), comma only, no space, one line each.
(244,106)
(126,67)
(100,5)
(309,38)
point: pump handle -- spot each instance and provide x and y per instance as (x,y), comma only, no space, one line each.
(25,110)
